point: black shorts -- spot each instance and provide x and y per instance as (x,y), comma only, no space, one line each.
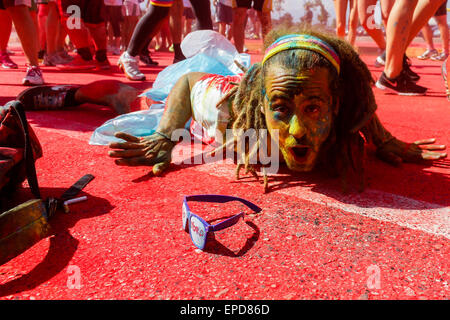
(442,10)
(92,11)
(224,13)
(255,4)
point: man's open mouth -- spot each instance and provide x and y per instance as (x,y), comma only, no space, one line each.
(300,153)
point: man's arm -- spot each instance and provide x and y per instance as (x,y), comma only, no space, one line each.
(155,150)
(395,151)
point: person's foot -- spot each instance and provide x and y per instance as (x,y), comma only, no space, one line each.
(66,57)
(130,67)
(103,65)
(440,57)
(147,60)
(6,62)
(44,97)
(380,60)
(77,64)
(401,85)
(33,77)
(429,53)
(54,59)
(413,76)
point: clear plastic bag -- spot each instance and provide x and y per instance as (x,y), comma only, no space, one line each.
(205,51)
(139,123)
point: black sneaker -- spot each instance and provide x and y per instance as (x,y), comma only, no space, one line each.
(147,60)
(48,97)
(402,85)
(407,67)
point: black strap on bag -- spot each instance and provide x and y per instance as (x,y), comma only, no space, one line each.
(18,108)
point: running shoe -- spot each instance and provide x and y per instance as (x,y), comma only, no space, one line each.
(46,97)
(147,60)
(402,85)
(380,60)
(429,53)
(440,57)
(33,77)
(65,55)
(130,66)
(6,62)
(77,64)
(407,68)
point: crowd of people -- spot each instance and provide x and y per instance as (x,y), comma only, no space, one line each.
(49,29)
(402,20)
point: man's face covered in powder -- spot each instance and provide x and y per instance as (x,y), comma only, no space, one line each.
(299,105)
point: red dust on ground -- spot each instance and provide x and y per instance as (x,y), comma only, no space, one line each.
(310,242)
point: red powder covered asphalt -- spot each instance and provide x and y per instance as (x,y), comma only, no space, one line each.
(310,241)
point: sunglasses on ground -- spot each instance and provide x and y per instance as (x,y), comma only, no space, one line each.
(198,228)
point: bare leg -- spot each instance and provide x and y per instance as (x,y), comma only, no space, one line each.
(239,15)
(352,22)
(443,29)
(398,30)
(340,7)
(366,11)
(428,36)
(108,92)
(6,27)
(26,30)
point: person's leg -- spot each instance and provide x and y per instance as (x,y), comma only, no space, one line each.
(202,10)
(397,77)
(239,16)
(113,93)
(42,20)
(352,22)
(6,27)
(422,13)
(263,9)
(443,29)
(428,37)
(145,30)
(340,7)
(26,30)
(366,12)
(51,28)
(386,7)
(176,29)
(222,28)
(78,34)
(398,28)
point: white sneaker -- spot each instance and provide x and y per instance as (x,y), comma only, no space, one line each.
(33,76)
(130,66)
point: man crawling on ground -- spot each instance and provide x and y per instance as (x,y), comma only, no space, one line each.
(311,88)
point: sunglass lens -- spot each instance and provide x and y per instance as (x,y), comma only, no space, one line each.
(198,232)
(185,218)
